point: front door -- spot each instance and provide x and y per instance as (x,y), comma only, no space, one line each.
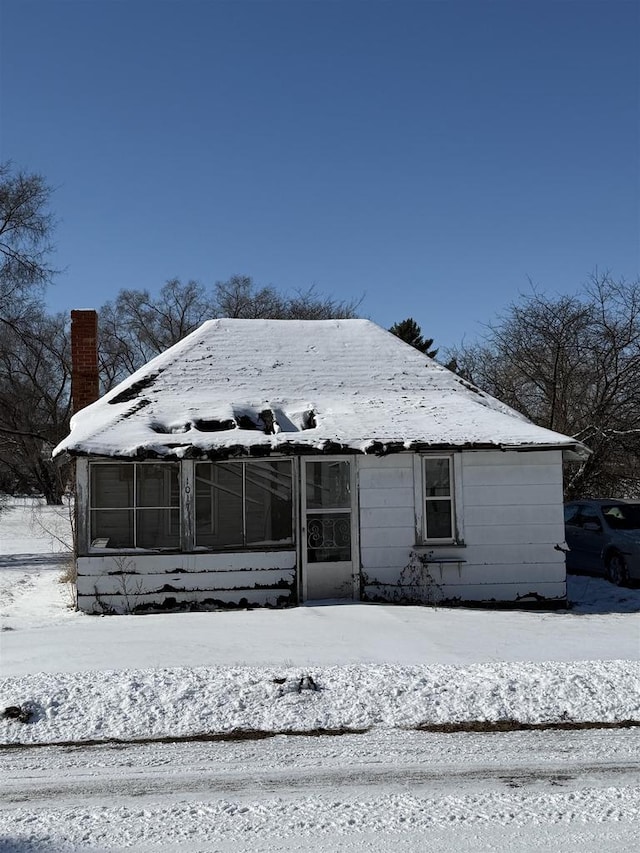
(329,552)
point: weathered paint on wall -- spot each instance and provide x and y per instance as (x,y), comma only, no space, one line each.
(131,582)
(509,529)
(134,580)
(511,524)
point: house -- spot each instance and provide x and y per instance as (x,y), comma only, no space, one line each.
(275,462)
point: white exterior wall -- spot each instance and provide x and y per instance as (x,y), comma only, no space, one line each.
(510,521)
(387,520)
(122,583)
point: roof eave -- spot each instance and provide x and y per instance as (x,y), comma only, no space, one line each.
(369,447)
(576,452)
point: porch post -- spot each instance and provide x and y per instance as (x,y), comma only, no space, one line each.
(187,505)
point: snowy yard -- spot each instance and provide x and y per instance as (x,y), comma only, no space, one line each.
(381,668)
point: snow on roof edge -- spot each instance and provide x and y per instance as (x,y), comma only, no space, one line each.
(451,405)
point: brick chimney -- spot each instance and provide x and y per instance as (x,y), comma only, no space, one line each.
(84,358)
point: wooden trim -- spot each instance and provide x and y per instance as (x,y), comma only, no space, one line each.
(82,506)
(187,505)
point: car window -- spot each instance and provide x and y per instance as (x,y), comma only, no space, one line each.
(623,516)
(571,514)
(589,515)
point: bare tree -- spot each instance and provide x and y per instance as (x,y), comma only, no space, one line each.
(310,305)
(138,326)
(572,364)
(33,367)
(34,403)
(25,232)
(240,297)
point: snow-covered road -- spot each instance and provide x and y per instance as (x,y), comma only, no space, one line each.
(384,790)
(387,791)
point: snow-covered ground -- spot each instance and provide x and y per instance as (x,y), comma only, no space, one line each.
(388,790)
(377,667)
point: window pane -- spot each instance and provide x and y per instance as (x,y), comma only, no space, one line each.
(268,502)
(328,484)
(589,516)
(114,526)
(329,537)
(112,485)
(623,517)
(219,504)
(157,485)
(571,514)
(437,480)
(158,528)
(112,492)
(439,520)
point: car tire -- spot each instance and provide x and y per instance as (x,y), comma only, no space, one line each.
(617,569)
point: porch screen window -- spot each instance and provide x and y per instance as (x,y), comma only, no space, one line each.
(438,488)
(135,505)
(244,504)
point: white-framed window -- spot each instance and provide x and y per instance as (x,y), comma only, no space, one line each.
(438,486)
(243,504)
(134,505)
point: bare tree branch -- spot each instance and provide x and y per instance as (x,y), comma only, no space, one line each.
(572,364)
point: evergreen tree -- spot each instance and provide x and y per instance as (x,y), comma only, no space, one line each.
(409,332)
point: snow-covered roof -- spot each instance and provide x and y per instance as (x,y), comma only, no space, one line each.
(263,386)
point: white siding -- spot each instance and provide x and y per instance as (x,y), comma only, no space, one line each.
(517,474)
(387,515)
(387,498)
(394,517)
(510,503)
(513,555)
(528,514)
(499,533)
(162,564)
(376,558)
(128,602)
(512,495)
(129,581)
(513,527)
(488,593)
(113,584)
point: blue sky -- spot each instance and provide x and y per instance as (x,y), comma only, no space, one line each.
(428,156)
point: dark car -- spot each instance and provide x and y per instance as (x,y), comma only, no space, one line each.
(604,538)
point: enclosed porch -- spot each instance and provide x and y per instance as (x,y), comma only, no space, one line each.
(191,534)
